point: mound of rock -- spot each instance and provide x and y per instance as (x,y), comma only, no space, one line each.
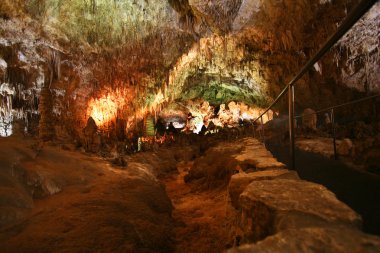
(61,201)
(216,166)
(270,206)
(240,181)
(220,162)
(313,240)
(279,212)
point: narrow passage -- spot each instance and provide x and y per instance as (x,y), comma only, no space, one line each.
(200,214)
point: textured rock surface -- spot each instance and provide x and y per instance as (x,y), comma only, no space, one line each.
(216,166)
(309,119)
(220,162)
(344,148)
(322,146)
(270,206)
(94,206)
(221,51)
(314,240)
(359,43)
(240,181)
(256,157)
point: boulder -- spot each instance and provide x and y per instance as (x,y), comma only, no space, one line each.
(317,239)
(318,145)
(344,148)
(89,133)
(216,166)
(309,119)
(255,156)
(240,181)
(372,161)
(271,206)
(41,184)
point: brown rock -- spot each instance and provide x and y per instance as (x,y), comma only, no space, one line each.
(344,148)
(3,69)
(256,156)
(309,119)
(308,240)
(89,133)
(240,181)
(318,145)
(372,161)
(15,203)
(270,206)
(216,166)
(41,184)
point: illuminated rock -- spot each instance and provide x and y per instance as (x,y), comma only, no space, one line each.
(240,181)
(272,206)
(256,157)
(344,148)
(318,239)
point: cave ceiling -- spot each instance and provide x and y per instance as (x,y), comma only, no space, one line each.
(154,53)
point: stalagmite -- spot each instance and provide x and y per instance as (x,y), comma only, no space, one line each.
(45,108)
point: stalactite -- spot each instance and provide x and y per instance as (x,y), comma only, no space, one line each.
(6,107)
(46,128)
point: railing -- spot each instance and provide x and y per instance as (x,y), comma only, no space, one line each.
(331,109)
(351,19)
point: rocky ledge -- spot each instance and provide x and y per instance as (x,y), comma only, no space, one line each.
(279,212)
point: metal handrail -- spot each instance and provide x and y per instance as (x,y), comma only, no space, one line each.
(338,106)
(351,19)
(332,116)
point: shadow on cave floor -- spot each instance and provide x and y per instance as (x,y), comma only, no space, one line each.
(359,190)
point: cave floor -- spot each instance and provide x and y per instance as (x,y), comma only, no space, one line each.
(65,201)
(68,201)
(201,224)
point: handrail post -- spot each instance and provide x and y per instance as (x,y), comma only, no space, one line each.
(262,130)
(333,133)
(291,127)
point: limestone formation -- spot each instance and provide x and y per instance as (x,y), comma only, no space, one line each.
(3,69)
(240,181)
(97,207)
(89,133)
(344,148)
(216,166)
(256,157)
(46,130)
(271,206)
(322,146)
(309,119)
(313,240)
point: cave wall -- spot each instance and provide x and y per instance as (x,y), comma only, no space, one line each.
(219,51)
(131,71)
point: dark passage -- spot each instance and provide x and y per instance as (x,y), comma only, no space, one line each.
(359,190)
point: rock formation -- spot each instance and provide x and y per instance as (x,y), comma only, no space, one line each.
(113,78)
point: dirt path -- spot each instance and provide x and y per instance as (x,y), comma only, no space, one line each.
(200,215)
